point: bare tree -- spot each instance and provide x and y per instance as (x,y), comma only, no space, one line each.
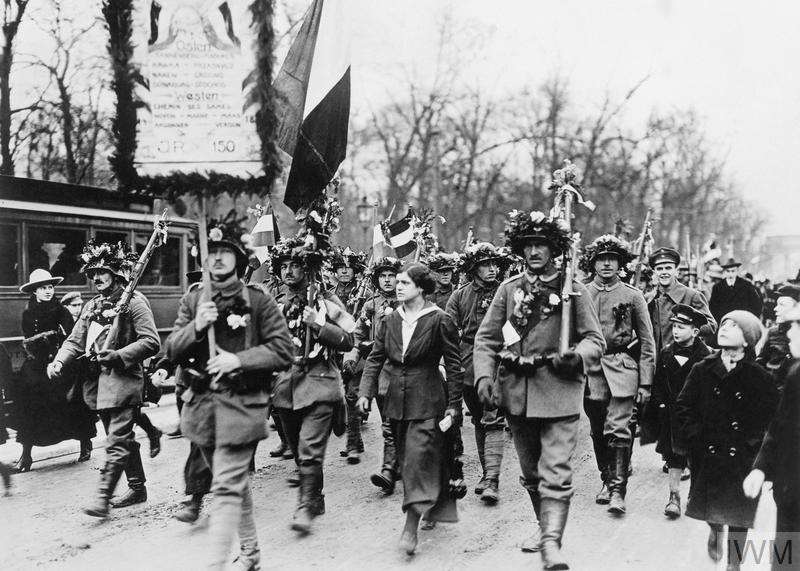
(13,12)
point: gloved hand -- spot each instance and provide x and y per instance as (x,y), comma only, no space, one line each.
(486,393)
(568,364)
(110,358)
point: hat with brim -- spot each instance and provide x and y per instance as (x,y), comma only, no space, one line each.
(687,315)
(39,278)
(605,245)
(443,261)
(731,263)
(70,296)
(664,255)
(789,290)
(523,228)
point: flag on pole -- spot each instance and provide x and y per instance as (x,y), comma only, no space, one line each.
(264,234)
(313,101)
(401,237)
(380,249)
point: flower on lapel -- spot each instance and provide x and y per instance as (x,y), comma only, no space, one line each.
(388,310)
(237,321)
(553,300)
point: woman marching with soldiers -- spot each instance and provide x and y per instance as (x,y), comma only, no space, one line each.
(406,353)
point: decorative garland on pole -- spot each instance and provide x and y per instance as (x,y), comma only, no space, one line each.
(119,18)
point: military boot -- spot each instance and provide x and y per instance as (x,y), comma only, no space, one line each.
(618,483)
(553,520)
(601,455)
(493,458)
(134,471)
(190,509)
(109,476)
(301,522)
(480,442)
(533,544)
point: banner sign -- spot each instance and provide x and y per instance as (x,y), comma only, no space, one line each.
(196,64)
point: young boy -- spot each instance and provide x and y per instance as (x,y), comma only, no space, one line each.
(672,368)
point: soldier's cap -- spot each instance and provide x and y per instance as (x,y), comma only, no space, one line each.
(664,254)
(70,296)
(687,315)
(216,239)
(789,290)
(731,263)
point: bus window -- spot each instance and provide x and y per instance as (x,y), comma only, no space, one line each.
(9,255)
(164,266)
(57,250)
(112,236)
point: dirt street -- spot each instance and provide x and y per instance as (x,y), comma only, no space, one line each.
(42,526)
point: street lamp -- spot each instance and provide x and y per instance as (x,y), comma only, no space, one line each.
(364,211)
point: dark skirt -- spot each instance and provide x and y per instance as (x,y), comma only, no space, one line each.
(424,461)
(44,415)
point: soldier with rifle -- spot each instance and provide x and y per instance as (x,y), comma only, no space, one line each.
(543,332)
(348,269)
(228,338)
(383,276)
(309,397)
(114,334)
(443,266)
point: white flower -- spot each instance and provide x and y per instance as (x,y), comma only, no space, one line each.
(215,235)
(536,216)
(314,215)
(387,311)
(237,321)
(297,342)
(553,299)
(109,313)
(519,295)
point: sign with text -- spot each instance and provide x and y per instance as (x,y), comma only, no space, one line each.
(196,61)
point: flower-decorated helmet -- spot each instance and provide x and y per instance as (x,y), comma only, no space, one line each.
(480,252)
(442,261)
(286,249)
(217,239)
(524,227)
(113,258)
(349,258)
(383,264)
(606,244)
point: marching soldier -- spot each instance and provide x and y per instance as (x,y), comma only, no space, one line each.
(539,390)
(668,293)
(443,266)
(468,305)
(225,406)
(348,266)
(382,303)
(618,378)
(307,396)
(114,389)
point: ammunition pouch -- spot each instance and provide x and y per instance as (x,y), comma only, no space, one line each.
(526,365)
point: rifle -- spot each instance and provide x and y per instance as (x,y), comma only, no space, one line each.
(565,195)
(641,248)
(157,238)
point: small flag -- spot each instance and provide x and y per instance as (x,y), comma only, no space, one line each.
(264,234)
(401,237)
(380,249)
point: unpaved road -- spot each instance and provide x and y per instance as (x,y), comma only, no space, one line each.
(42,527)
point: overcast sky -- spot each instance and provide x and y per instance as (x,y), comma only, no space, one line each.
(734,62)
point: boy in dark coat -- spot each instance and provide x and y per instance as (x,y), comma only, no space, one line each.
(724,410)
(778,460)
(672,368)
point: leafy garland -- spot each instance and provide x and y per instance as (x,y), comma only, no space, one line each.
(605,243)
(520,225)
(118,15)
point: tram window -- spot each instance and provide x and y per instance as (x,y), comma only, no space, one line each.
(164,266)
(111,236)
(9,255)
(58,251)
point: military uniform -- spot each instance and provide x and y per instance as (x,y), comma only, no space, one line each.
(613,382)
(442,295)
(307,395)
(227,419)
(542,406)
(116,392)
(468,306)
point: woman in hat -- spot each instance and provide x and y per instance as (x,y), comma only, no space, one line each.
(406,353)
(48,417)
(723,411)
